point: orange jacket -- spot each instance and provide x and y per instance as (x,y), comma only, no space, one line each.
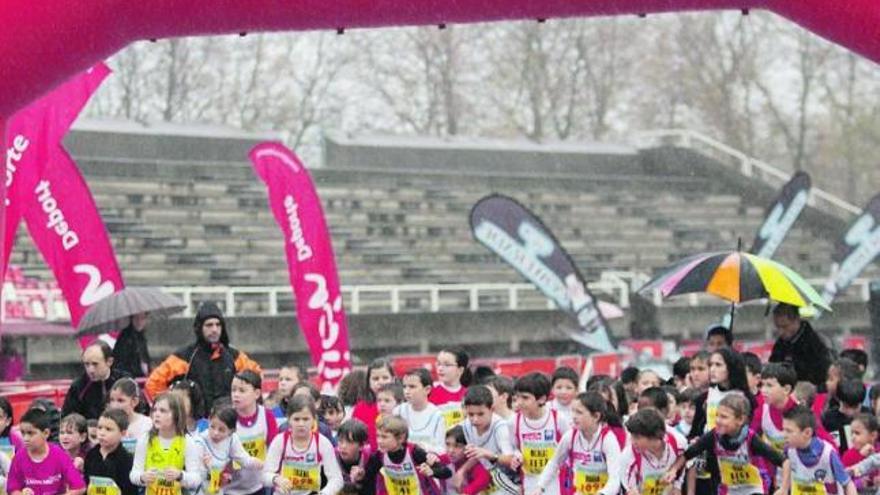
(177,365)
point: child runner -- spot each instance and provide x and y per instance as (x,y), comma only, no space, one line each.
(400,467)
(656,398)
(488,441)
(10,440)
(331,413)
(699,374)
(108,463)
(727,373)
(288,377)
(815,465)
(864,436)
(477,479)
(379,373)
(686,409)
(753,372)
(42,468)
(537,430)
(166,459)
(93,432)
(352,452)
(256,428)
(73,436)
(124,396)
(564,386)
(591,451)
(645,461)
(502,396)
(387,398)
(221,447)
(850,395)
(426,425)
(730,446)
(452,369)
(301,460)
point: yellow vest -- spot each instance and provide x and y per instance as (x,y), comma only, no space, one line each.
(160,459)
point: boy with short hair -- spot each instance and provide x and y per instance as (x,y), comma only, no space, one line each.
(850,395)
(107,464)
(502,396)
(537,430)
(718,336)
(427,428)
(649,455)
(657,399)
(488,441)
(815,464)
(43,468)
(564,386)
(352,452)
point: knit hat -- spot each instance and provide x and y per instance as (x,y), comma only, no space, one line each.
(206,311)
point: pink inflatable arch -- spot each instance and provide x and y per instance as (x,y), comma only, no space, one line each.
(44,42)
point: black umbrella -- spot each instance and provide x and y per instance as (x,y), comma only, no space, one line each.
(113,312)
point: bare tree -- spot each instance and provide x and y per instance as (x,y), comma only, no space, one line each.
(421,76)
(810,56)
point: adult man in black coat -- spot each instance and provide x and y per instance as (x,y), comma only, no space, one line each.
(89,393)
(130,354)
(800,345)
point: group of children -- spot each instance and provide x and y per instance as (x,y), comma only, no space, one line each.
(724,423)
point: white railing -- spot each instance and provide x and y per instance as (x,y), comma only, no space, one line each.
(746,165)
(49,305)
(427,298)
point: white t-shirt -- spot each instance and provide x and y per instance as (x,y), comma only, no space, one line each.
(496,438)
(537,442)
(562,410)
(427,428)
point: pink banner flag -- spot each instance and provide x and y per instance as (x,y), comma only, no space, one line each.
(31,135)
(59,210)
(310,261)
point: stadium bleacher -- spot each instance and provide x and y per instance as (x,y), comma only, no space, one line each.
(198,217)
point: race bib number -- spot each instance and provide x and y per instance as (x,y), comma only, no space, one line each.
(734,474)
(215,477)
(536,457)
(255,447)
(163,487)
(400,483)
(807,488)
(654,486)
(452,415)
(302,477)
(587,483)
(102,486)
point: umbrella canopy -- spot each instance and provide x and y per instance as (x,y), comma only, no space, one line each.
(736,277)
(112,312)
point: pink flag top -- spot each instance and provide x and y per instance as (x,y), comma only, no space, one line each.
(47,190)
(310,261)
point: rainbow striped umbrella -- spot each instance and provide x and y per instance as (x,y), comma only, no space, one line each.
(736,277)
